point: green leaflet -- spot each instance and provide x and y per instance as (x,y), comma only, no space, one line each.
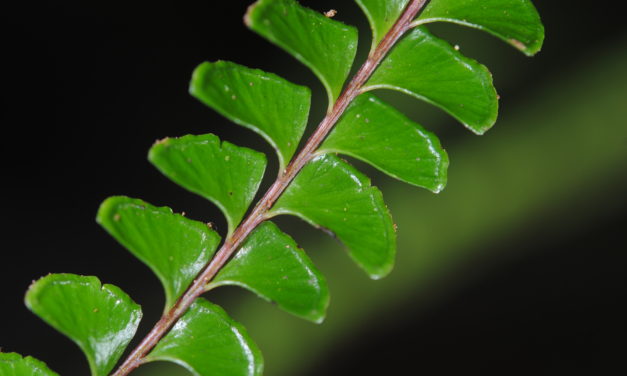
(100,319)
(270,264)
(381,14)
(266,103)
(225,174)
(429,68)
(326,46)
(174,247)
(515,21)
(12,364)
(375,132)
(207,342)
(331,194)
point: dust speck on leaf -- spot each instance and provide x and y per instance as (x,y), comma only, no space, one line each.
(330,13)
(518,44)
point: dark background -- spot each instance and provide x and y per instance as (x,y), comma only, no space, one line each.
(88,86)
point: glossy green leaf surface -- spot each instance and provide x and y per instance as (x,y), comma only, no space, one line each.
(331,194)
(100,319)
(174,247)
(381,14)
(377,133)
(223,173)
(430,69)
(324,45)
(207,342)
(515,21)
(264,102)
(271,264)
(12,364)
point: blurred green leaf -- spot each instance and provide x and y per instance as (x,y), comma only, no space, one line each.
(382,14)
(430,69)
(326,46)
(174,247)
(266,103)
(331,194)
(225,174)
(272,265)
(375,132)
(207,342)
(515,21)
(12,364)
(100,319)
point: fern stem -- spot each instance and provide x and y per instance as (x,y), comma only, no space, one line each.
(260,212)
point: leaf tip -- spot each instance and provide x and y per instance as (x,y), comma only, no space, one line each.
(381,273)
(197,75)
(249,13)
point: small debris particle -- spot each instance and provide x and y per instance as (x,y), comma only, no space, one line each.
(287,246)
(367,120)
(96,310)
(251,84)
(234,97)
(230,193)
(210,225)
(116,217)
(330,13)
(395,227)
(456,47)
(518,44)
(227,158)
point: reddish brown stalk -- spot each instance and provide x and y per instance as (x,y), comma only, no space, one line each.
(259,213)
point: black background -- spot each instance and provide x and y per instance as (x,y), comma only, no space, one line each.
(88,86)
